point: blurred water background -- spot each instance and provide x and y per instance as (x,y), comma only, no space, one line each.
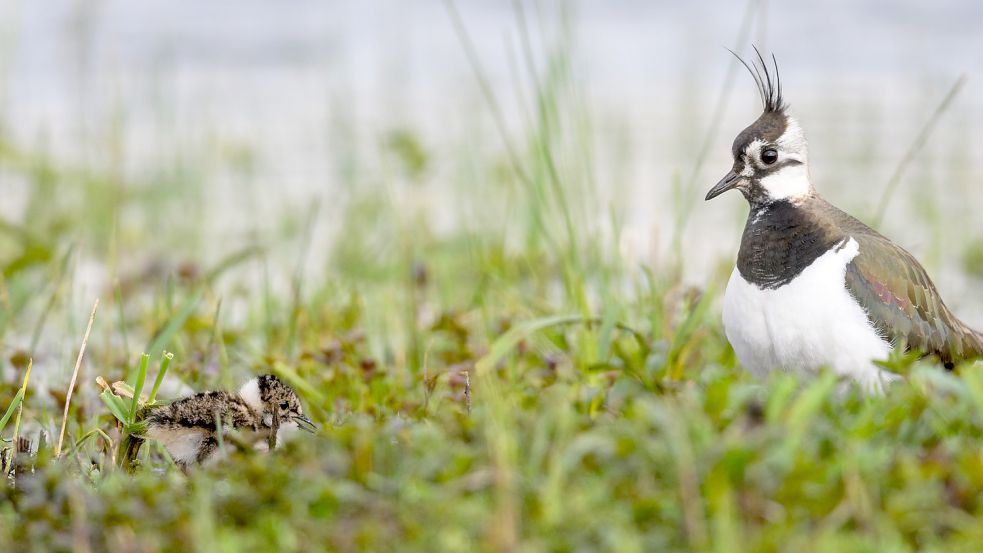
(241,120)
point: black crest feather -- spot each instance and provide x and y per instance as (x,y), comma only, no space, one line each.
(769,86)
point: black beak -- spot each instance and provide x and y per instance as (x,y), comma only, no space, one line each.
(305,424)
(729,181)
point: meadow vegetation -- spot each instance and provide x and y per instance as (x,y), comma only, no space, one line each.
(515,384)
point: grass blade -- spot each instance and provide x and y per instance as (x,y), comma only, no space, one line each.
(175,323)
(141,378)
(913,150)
(507,341)
(165,362)
(75,374)
(20,408)
(10,410)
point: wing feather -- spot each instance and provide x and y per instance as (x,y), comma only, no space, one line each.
(902,302)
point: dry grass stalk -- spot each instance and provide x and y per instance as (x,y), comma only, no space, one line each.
(75,374)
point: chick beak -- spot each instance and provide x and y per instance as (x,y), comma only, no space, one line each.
(305,424)
(729,181)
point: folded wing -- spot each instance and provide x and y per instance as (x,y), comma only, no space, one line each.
(903,304)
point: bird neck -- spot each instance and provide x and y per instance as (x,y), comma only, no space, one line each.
(251,396)
(782,238)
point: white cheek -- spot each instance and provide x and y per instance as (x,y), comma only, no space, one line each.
(788,183)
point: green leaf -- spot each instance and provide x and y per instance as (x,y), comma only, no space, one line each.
(116,405)
(10,410)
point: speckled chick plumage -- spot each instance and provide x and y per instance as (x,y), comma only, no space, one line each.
(188,427)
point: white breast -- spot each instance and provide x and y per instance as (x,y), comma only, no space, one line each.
(182,444)
(810,323)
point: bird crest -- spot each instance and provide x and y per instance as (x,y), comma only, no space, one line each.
(769,85)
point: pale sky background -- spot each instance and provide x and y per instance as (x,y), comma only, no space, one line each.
(281,78)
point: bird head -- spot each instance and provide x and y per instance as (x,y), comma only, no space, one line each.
(771,156)
(274,400)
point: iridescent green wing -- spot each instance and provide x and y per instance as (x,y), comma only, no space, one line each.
(902,302)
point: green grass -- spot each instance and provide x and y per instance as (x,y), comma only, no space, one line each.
(467,405)
(511,385)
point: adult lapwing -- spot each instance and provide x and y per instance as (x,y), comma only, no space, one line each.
(188,428)
(814,287)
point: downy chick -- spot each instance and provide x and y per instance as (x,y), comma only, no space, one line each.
(188,427)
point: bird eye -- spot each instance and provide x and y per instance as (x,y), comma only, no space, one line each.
(284,406)
(769,156)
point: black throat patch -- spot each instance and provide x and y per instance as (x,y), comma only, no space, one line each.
(780,240)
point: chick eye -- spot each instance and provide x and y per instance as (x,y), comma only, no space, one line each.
(284,406)
(769,156)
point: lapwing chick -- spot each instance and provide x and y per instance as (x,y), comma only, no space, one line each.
(814,287)
(188,428)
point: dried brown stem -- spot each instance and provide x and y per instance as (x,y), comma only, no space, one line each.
(75,374)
